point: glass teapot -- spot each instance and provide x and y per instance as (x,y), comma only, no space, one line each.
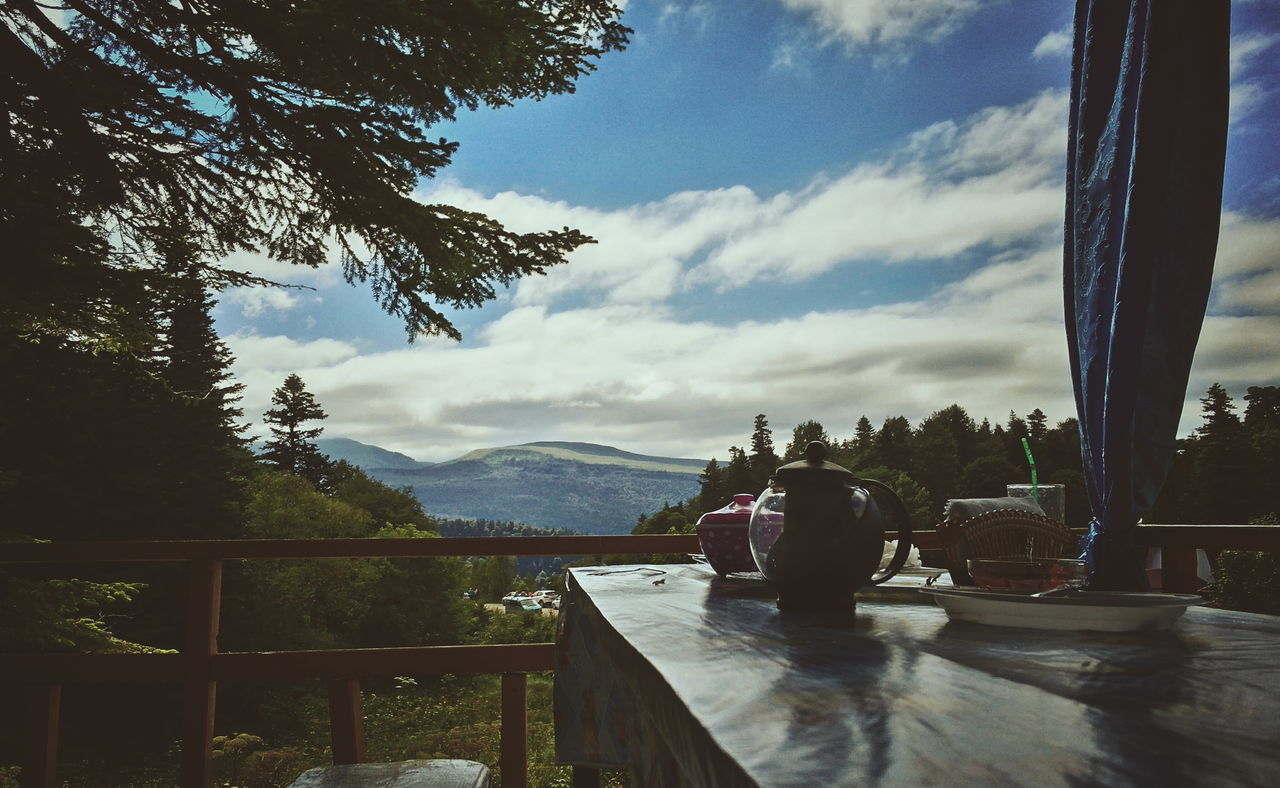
(817,532)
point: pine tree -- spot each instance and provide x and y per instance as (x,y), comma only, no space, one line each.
(864,436)
(205,443)
(297,128)
(1037,425)
(893,444)
(801,436)
(935,460)
(737,474)
(292,448)
(763,459)
(713,492)
(1262,428)
(1223,461)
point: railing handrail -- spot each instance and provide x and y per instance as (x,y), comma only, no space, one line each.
(1213,537)
(430,547)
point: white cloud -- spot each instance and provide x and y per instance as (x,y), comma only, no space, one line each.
(1054,44)
(255,301)
(1246,47)
(282,354)
(882,25)
(642,378)
(994,178)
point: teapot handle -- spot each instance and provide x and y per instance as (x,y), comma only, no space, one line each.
(904,532)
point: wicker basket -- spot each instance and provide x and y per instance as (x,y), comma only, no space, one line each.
(1003,533)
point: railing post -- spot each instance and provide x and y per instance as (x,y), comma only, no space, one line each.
(200,691)
(1178,570)
(514,758)
(41,705)
(346,721)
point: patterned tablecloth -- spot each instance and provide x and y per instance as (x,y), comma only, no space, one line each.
(687,679)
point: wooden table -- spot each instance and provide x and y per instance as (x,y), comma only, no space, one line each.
(685,678)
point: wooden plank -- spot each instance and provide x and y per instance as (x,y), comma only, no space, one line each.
(42,704)
(200,691)
(346,721)
(91,668)
(277,665)
(410,661)
(514,748)
(70,552)
(1218,537)
(1210,537)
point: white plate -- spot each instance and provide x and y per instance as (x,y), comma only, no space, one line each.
(918,571)
(1093,610)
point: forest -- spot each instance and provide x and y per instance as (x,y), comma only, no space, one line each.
(1225,471)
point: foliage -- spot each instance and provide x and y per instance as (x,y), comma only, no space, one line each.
(524,627)
(493,577)
(328,603)
(1247,580)
(42,616)
(290,128)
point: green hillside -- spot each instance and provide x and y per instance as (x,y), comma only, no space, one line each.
(577,486)
(366,456)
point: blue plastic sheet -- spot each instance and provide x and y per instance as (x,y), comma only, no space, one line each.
(1147,142)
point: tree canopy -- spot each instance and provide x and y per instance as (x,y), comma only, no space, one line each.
(297,129)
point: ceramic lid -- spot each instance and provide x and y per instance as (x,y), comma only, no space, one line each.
(737,511)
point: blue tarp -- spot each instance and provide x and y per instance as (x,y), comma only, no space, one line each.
(1148,127)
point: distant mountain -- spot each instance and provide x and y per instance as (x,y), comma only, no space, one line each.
(583,487)
(367,456)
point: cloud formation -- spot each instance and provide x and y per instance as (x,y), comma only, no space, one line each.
(885,24)
(597,351)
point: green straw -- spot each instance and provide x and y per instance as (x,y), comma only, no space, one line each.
(1035,486)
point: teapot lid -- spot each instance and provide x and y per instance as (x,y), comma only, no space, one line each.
(813,469)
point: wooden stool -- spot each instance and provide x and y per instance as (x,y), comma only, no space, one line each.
(401,774)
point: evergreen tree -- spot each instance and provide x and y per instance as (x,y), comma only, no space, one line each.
(1262,428)
(763,459)
(713,493)
(1037,426)
(275,126)
(1223,461)
(893,444)
(208,457)
(935,460)
(963,431)
(292,448)
(801,436)
(864,436)
(737,474)
(1014,432)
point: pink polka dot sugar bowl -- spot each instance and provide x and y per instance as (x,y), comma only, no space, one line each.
(724,538)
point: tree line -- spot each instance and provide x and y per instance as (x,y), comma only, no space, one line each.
(1225,471)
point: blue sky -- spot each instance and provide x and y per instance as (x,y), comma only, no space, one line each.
(804,208)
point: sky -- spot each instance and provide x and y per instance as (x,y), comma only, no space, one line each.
(810,209)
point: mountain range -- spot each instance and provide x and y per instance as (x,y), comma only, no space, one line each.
(582,487)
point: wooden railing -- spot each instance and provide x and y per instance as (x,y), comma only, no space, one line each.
(200,666)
